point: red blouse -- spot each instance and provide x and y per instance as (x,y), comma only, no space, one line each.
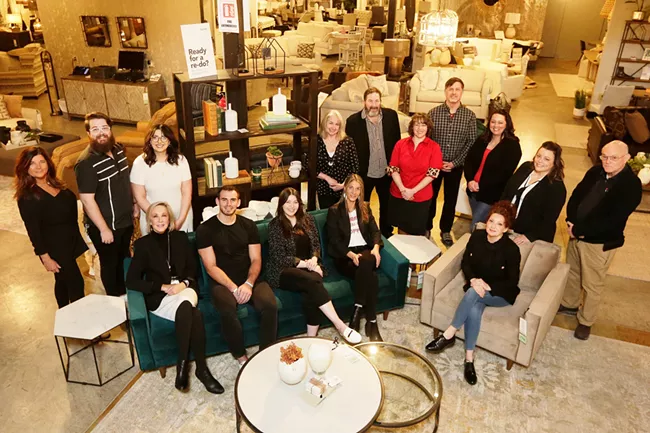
(479,172)
(414,165)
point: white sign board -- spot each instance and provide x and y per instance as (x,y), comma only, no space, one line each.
(228,16)
(199,54)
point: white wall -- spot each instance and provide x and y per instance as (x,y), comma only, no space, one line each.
(568,22)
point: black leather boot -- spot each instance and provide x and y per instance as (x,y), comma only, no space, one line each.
(470,373)
(182,370)
(372,331)
(210,383)
(355,321)
(441,343)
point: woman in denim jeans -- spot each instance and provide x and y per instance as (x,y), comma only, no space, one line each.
(491,268)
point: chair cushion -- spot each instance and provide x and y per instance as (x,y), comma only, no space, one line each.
(635,123)
(305,50)
(431,96)
(471,98)
(14,104)
(379,83)
(4,111)
(541,260)
(428,79)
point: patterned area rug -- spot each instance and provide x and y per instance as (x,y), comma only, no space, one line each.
(571,386)
(9,215)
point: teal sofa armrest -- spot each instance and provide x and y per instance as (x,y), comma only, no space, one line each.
(396,266)
(140,328)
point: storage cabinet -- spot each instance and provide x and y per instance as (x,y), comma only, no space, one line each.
(122,101)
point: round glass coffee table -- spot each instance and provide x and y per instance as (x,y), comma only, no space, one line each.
(266,404)
(412,386)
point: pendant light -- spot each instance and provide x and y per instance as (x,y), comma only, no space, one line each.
(438,28)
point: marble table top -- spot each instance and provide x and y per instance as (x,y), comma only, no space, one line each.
(89,317)
(417,249)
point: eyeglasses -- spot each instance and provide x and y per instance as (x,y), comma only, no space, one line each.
(97,129)
(161,139)
(610,158)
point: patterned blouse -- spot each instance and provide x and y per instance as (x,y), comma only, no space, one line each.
(282,250)
(339,166)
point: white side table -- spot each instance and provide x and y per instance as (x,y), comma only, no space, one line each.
(266,404)
(87,319)
(420,252)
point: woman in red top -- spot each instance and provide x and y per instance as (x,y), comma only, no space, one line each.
(415,162)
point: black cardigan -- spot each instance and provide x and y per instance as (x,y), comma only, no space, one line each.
(355,127)
(537,218)
(499,166)
(149,271)
(606,222)
(339,231)
(497,264)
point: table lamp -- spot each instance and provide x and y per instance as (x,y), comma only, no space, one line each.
(396,50)
(15,20)
(512,19)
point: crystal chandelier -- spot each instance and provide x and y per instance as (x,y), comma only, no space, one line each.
(438,29)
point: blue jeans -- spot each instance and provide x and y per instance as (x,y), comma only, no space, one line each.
(479,211)
(470,312)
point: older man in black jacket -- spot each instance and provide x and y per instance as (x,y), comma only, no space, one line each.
(375,130)
(596,216)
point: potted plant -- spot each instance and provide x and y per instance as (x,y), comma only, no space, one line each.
(292,366)
(273,156)
(580,104)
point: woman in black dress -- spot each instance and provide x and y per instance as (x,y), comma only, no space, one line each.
(354,243)
(490,163)
(491,268)
(49,211)
(294,264)
(336,159)
(164,270)
(537,190)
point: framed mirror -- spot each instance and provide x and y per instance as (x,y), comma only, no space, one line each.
(132,32)
(96,31)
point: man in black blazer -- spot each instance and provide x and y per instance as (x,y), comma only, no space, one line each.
(596,216)
(375,130)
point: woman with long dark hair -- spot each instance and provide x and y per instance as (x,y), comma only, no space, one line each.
(161,173)
(354,243)
(537,190)
(294,263)
(489,164)
(490,265)
(164,270)
(49,211)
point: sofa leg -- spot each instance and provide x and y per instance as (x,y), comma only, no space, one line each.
(509,364)
(163,372)
(436,332)
(386,315)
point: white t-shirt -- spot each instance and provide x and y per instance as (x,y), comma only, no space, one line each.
(356,238)
(162,182)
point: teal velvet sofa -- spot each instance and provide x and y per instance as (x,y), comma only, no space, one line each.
(155,339)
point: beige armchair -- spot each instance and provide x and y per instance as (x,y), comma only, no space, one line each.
(542,283)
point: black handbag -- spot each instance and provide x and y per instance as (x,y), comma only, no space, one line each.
(500,102)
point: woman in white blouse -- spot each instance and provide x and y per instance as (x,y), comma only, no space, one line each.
(161,173)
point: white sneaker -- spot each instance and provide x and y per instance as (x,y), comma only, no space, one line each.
(351,336)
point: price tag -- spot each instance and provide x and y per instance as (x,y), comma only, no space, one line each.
(523,330)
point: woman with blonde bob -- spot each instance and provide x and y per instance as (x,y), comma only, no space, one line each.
(354,243)
(163,268)
(336,159)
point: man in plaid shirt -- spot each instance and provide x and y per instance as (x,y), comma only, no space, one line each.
(454,129)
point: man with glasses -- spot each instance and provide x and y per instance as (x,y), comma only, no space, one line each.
(105,191)
(596,216)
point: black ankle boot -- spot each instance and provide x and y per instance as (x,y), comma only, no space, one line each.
(440,343)
(355,321)
(470,373)
(182,369)
(210,383)
(372,331)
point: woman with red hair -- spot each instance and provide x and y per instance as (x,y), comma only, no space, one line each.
(49,211)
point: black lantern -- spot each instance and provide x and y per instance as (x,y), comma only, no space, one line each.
(271,58)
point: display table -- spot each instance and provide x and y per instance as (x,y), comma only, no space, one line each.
(87,319)
(266,404)
(8,157)
(421,253)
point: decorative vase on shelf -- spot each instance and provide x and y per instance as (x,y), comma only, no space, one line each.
(445,57)
(232,167)
(231,119)
(644,174)
(279,103)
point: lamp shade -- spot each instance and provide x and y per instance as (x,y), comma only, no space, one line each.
(512,18)
(14,19)
(438,29)
(397,47)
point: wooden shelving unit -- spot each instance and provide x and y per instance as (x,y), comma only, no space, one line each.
(239,142)
(632,34)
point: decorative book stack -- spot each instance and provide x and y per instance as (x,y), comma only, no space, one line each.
(213,172)
(278,121)
(211,117)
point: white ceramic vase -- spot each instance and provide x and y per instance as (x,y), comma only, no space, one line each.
(445,57)
(644,174)
(320,357)
(579,113)
(292,374)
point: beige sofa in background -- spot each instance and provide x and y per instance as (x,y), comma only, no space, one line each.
(542,283)
(321,34)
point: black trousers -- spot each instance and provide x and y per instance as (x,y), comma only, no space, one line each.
(451,184)
(383,192)
(366,284)
(68,282)
(111,258)
(327,201)
(263,301)
(310,286)
(190,334)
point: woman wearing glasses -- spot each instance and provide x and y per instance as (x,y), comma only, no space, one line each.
(537,190)
(161,173)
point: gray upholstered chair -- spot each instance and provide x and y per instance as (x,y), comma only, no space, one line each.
(542,283)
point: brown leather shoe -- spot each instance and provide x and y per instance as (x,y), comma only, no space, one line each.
(582,332)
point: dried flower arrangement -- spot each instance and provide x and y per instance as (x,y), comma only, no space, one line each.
(290,354)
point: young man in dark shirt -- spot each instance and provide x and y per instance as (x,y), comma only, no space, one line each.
(597,213)
(229,246)
(102,173)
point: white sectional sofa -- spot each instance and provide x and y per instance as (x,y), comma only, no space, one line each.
(290,46)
